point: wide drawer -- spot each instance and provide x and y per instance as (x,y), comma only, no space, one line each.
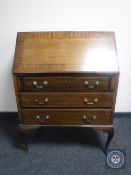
(66,117)
(38,99)
(65,83)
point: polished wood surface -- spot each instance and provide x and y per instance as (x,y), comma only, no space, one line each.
(86,100)
(66,117)
(66,83)
(51,52)
(66,79)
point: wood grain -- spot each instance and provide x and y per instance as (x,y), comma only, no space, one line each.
(50,70)
(65,52)
(66,117)
(65,99)
(66,83)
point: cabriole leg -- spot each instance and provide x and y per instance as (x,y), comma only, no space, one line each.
(23,140)
(110,136)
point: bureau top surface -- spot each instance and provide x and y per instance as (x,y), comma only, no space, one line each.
(63,52)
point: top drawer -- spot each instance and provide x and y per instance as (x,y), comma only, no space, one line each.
(66,83)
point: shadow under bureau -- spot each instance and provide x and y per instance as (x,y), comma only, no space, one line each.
(65,79)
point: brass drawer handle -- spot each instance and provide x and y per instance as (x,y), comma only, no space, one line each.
(89,119)
(95,100)
(91,86)
(41,101)
(38,117)
(40,85)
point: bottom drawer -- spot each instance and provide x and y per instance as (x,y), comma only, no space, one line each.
(66,117)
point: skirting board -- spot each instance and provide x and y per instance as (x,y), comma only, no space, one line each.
(15,114)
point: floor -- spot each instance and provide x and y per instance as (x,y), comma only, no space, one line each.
(72,151)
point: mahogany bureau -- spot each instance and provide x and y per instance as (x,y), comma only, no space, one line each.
(66,79)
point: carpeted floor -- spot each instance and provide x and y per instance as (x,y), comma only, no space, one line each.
(62,151)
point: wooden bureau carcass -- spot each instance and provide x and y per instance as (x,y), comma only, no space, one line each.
(66,79)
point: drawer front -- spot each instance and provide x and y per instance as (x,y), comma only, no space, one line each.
(37,99)
(65,83)
(66,117)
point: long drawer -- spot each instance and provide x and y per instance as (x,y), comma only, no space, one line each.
(38,99)
(66,117)
(66,83)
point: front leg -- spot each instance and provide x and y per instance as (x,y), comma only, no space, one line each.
(110,136)
(22,135)
(23,139)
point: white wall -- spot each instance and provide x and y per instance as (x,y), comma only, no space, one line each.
(59,15)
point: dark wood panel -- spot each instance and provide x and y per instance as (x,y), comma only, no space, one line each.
(66,83)
(66,117)
(66,99)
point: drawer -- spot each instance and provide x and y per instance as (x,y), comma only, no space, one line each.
(39,99)
(65,83)
(66,117)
